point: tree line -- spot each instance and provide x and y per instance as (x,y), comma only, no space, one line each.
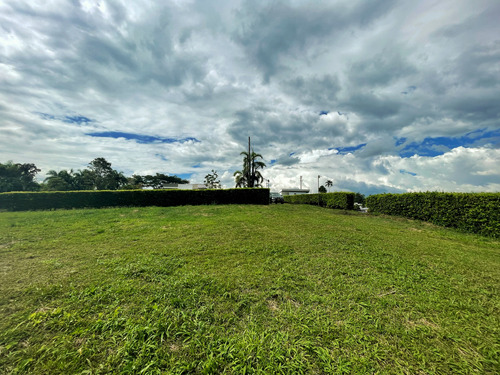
(99,175)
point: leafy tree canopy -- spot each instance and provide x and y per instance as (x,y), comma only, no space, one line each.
(18,177)
(329,184)
(101,176)
(250,176)
(212,181)
(157,181)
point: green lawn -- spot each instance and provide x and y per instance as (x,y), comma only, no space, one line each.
(244,289)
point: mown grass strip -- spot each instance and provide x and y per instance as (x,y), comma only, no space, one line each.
(244,289)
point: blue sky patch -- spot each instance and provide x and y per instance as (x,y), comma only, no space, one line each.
(162,157)
(409,90)
(196,165)
(141,138)
(77,120)
(184,176)
(324,113)
(348,150)
(67,119)
(436,146)
(402,171)
(400,141)
(273,161)
(45,116)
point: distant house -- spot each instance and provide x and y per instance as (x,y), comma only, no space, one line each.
(184,186)
(294,191)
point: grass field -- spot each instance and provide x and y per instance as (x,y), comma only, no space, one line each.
(244,289)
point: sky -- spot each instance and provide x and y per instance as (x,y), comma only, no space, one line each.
(376,96)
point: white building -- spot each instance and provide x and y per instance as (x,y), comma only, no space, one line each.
(184,186)
(294,191)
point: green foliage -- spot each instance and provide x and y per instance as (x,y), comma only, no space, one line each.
(288,289)
(97,199)
(61,181)
(18,177)
(328,184)
(100,176)
(104,177)
(158,181)
(359,198)
(339,200)
(212,181)
(250,176)
(322,189)
(471,212)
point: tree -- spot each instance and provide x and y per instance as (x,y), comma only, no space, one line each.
(240,179)
(60,181)
(84,180)
(159,180)
(211,181)
(250,176)
(18,177)
(322,189)
(134,182)
(104,177)
(329,184)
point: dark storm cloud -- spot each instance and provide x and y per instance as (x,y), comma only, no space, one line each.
(478,27)
(104,52)
(85,51)
(286,160)
(373,105)
(474,106)
(478,66)
(278,31)
(315,91)
(268,126)
(381,69)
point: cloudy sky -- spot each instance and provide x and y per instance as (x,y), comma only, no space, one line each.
(377,96)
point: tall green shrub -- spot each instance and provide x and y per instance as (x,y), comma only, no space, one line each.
(472,212)
(340,200)
(22,201)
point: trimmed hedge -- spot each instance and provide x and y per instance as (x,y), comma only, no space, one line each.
(26,201)
(340,200)
(471,212)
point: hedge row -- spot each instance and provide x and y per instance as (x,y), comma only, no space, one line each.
(25,201)
(341,200)
(471,212)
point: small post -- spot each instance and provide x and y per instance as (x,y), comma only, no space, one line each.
(249,184)
(319,196)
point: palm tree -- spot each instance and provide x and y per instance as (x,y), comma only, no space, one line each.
(250,176)
(240,179)
(329,183)
(60,181)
